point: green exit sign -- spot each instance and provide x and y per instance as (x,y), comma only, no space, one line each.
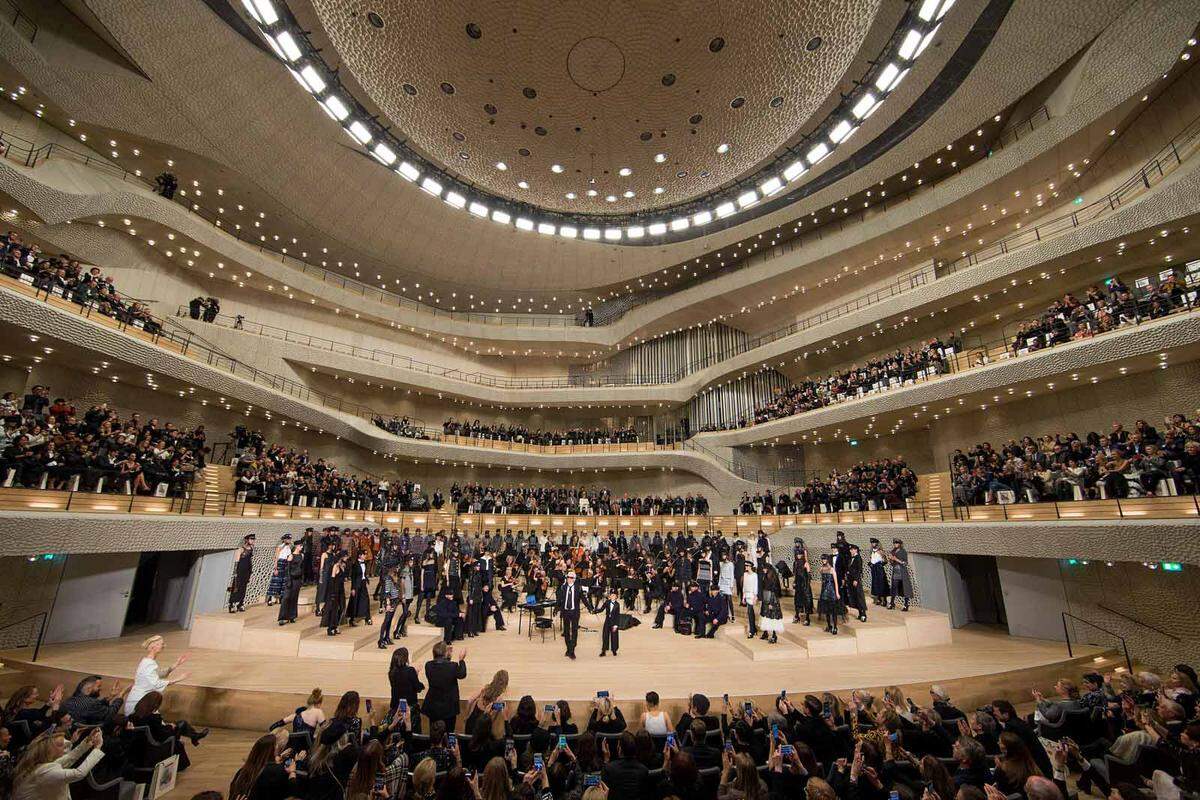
(1172,566)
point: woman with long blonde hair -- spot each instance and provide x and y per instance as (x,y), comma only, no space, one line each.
(491,693)
(45,772)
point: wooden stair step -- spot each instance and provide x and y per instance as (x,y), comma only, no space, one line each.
(756,649)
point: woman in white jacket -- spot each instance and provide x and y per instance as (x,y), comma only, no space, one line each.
(45,771)
(750,598)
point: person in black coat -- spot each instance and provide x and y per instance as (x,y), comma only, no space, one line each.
(360,592)
(716,611)
(624,775)
(443,674)
(405,686)
(243,568)
(672,604)
(335,593)
(855,592)
(610,635)
(289,604)
(447,615)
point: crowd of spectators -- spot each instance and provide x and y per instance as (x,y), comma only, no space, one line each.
(1062,466)
(883,483)
(1070,318)
(67,278)
(99,735)
(522,435)
(1099,310)
(477,498)
(400,426)
(280,475)
(276,474)
(818,746)
(48,445)
(877,374)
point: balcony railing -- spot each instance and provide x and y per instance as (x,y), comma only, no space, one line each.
(213,504)
(1153,171)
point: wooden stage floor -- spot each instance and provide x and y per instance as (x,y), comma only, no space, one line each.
(247,690)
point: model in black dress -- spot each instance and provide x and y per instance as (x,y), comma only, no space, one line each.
(289,604)
(243,568)
(335,595)
(804,595)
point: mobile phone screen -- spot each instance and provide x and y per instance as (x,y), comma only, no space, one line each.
(602,693)
(549,708)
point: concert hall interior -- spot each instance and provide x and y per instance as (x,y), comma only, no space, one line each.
(645,399)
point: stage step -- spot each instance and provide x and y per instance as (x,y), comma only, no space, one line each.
(419,648)
(734,634)
(819,644)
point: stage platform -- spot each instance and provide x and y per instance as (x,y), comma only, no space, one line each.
(246,671)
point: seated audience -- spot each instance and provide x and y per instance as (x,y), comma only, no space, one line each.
(1065,467)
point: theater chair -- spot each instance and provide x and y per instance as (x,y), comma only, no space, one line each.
(91,789)
(144,752)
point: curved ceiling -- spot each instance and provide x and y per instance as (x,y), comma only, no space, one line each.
(598,107)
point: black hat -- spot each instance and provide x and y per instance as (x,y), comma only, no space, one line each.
(874,540)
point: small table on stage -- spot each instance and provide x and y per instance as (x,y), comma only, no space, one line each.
(532,610)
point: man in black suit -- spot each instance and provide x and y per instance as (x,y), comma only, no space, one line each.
(704,754)
(567,603)
(442,675)
(610,636)
(624,775)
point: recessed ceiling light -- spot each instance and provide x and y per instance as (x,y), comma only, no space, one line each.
(523,184)
(723,148)
(612,198)
(629,193)
(500,165)
(570,195)
(556,168)
(592,193)
(624,172)
(660,158)
(658,190)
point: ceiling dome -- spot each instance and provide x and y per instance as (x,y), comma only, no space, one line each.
(598,107)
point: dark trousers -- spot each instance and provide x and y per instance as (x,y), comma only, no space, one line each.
(238,596)
(570,623)
(712,629)
(610,639)
(387,623)
(405,605)
(750,619)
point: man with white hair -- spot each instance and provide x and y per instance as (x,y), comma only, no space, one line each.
(941,703)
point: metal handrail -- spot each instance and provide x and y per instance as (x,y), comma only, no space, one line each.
(631,301)
(17,148)
(1160,631)
(932,271)
(1003,347)
(37,645)
(1067,634)
(21,21)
